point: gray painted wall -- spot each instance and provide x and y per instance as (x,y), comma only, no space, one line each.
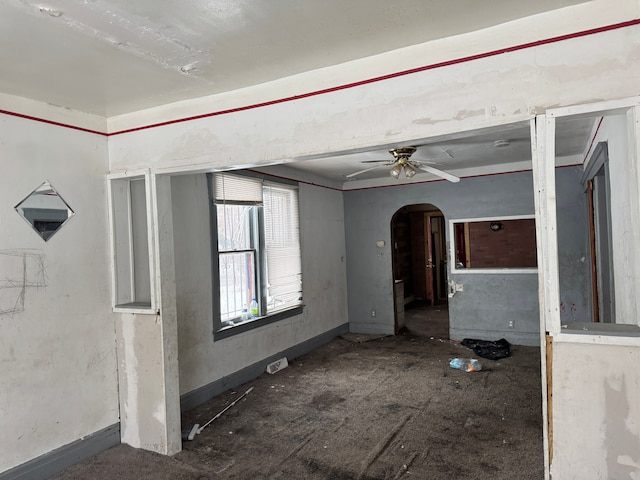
(488,301)
(203,362)
(573,247)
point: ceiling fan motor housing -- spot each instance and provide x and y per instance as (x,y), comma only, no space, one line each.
(402,152)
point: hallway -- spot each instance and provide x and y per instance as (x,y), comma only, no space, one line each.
(423,320)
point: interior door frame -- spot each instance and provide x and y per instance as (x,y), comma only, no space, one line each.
(428,255)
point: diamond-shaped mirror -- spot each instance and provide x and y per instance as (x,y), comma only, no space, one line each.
(45,210)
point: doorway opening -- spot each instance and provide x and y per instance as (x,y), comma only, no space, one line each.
(420,270)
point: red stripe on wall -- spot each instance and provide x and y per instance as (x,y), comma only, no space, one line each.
(433,66)
(595,135)
(51,122)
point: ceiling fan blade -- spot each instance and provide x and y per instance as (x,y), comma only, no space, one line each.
(446,152)
(440,173)
(377,161)
(351,175)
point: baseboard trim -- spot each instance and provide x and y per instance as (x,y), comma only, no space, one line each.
(200,395)
(52,463)
(371,328)
(530,339)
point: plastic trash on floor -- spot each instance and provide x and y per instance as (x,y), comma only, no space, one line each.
(491,349)
(466,364)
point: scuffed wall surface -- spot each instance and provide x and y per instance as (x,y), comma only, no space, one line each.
(486,92)
(141,382)
(57,349)
(596,403)
(202,360)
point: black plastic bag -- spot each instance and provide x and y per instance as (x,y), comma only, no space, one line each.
(493,350)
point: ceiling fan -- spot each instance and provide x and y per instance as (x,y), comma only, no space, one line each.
(402,163)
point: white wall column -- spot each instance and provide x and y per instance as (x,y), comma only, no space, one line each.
(148,347)
(544,187)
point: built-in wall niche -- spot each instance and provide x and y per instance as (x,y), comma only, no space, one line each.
(486,245)
(131,241)
(45,210)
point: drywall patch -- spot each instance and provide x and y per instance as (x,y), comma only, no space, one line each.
(425,121)
(21,269)
(462,114)
(621,443)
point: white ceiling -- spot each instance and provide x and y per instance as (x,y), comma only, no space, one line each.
(110,57)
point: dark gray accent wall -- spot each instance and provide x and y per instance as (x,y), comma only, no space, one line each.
(54,462)
(200,395)
(573,247)
(489,301)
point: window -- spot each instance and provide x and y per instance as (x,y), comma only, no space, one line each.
(494,245)
(596,265)
(131,242)
(256,232)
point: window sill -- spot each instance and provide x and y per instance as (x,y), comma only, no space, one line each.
(619,329)
(231,330)
(135,307)
(598,334)
(492,271)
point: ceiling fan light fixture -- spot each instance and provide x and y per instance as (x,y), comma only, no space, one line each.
(402,163)
(409,171)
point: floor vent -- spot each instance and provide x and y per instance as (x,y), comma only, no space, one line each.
(273,367)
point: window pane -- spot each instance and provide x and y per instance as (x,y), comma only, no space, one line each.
(237,258)
(237,274)
(282,239)
(234,227)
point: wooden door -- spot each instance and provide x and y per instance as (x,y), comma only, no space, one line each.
(429,265)
(418,256)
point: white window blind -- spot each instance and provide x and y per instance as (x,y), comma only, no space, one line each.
(282,244)
(229,188)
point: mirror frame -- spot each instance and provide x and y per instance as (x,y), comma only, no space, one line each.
(42,189)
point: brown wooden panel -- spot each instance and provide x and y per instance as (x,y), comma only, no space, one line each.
(418,254)
(549,355)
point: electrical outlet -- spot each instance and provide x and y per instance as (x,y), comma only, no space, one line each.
(373,312)
(510,324)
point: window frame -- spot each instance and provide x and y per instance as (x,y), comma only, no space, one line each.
(452,246)
(543,129)
(221,331)
(133,266)
(601,245)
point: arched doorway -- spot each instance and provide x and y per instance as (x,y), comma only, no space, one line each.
(419,263)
